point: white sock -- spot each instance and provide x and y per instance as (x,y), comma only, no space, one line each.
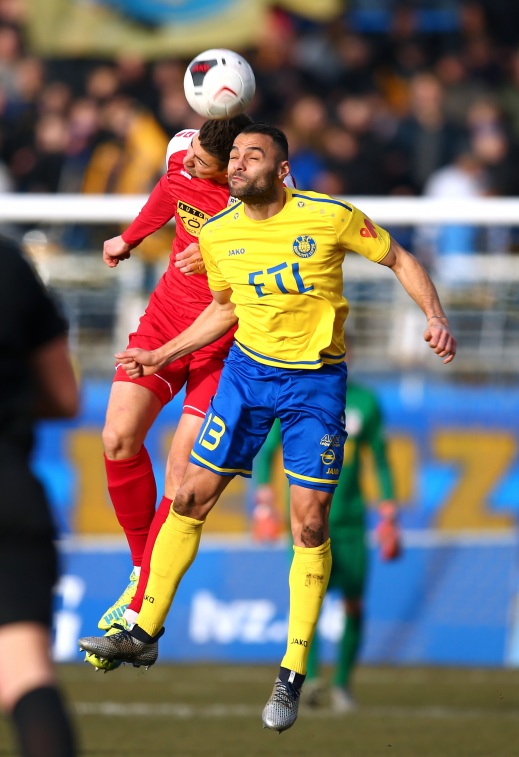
(130,617)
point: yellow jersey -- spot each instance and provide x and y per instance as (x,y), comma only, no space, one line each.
(286,276)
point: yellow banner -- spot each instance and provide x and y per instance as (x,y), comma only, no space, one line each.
(86,28)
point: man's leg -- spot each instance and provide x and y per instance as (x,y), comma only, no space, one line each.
(132,409)
(29,693)
(178,459)
(174,551)
(308,581)
(350,564)
(177,543)
(348,652)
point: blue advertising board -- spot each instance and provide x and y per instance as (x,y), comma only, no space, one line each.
(451,599)
(443,602)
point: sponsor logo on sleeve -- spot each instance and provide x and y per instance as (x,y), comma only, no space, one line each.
(368,230)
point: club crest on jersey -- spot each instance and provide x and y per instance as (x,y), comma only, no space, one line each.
(304,246)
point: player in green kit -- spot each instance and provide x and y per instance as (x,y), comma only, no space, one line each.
(347,521)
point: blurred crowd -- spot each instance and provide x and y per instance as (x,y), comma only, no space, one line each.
(408,111)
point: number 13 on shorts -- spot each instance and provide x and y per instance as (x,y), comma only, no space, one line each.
(212,432)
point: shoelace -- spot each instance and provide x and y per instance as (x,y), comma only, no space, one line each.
(287,693)
(119,626)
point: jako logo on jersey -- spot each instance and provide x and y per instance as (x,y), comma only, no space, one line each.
(328,457)
(239,251)
(368,230)
(149,598)
(300,642)
(304,246)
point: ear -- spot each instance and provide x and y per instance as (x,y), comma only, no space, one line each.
(284,169)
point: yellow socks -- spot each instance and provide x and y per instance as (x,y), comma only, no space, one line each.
(174,551)
(308,581)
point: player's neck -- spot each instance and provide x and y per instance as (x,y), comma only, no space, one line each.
(263,210)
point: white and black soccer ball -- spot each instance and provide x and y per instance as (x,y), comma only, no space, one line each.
(219,84)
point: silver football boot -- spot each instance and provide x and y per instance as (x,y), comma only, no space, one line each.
(280,712)
(123,647)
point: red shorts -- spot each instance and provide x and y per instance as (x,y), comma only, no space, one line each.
(199,372)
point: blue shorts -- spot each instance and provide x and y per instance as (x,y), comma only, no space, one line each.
(309,403)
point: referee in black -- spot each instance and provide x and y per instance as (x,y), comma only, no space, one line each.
(36,381)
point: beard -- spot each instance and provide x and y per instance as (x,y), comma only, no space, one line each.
(258,191)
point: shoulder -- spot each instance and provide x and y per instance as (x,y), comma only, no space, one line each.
(179,143)
(224,214)
(306,198)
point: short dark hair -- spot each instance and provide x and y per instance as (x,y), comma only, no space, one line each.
(278,137)
(217,135)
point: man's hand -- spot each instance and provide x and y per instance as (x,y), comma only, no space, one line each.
(388,532)
(440,338)
(190,261)
(115,250)
(137,362)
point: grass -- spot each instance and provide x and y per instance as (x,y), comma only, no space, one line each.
(215,710)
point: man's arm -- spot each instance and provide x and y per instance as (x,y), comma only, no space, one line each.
(158,209)
(211,324)
(417,283)
(387,530)
(56,391)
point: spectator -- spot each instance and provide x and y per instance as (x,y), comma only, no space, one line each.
(426,139)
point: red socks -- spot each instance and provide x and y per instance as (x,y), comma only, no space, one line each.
(133,492)
(158,520)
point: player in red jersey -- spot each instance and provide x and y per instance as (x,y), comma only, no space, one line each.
(193,189)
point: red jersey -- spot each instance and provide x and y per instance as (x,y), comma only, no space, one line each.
(192,202)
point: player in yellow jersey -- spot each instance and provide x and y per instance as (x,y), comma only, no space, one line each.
(274,264)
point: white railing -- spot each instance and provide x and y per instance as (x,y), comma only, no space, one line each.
(94,209)
(482,300)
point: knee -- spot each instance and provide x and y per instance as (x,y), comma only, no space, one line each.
(116,444)
(184,503)
(313,533)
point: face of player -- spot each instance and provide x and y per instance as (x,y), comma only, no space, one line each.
(201,164)
(255,172)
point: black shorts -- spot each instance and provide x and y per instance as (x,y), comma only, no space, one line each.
(28,560)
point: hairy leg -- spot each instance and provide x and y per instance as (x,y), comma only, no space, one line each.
(181,445)
(309,511)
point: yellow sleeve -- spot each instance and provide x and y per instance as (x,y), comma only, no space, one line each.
(215,280)
(361,235)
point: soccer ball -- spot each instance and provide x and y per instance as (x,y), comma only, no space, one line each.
(219,84)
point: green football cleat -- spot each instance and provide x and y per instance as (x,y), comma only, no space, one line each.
(115,613)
